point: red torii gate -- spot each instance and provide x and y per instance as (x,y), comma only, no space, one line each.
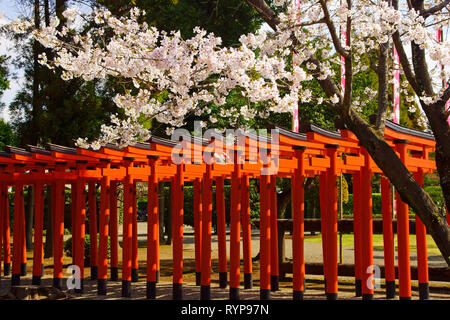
(315,152)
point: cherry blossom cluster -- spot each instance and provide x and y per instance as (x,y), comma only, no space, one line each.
(167,77)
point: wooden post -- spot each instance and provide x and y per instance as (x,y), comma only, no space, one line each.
(58,232)
(198,229)
(274,271)
(221,232)
(2,221)
(103,218)
(421,244)
(331,225)
(114,230)
(323,194)
(127,241)
(73,210)
(80,229)
(17,236)
(264,251)
(404,269)
(152,229)
(23,265)
(366,229)
(246,233)
(298,212)
(388,238)
(6,234)
(235,230)
(177,233)
(92,205)
(357,232)
(134,258)
(205,291)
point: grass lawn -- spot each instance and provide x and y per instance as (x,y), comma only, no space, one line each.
(347,241)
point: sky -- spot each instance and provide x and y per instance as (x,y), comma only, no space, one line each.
(10,11)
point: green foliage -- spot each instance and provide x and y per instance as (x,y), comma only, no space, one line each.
(227,19)
(4,83)
(7,135)
(376,204)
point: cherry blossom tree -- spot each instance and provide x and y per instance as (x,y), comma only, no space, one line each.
(174,77)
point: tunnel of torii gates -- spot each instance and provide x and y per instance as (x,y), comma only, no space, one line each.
(315,152)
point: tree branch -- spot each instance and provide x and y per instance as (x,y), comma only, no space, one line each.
(332,29)
(348,65)
(428,12)
(382,87)
(269,16)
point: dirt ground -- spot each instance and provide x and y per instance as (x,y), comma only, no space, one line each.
(314,284)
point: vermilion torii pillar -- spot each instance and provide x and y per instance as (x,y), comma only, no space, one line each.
(6,233)
(366,228)
(264,248)
(246,232)
(198,229)
(127,226)
(404,267)
(58,232)
(73,207)
(114,232)
(421,241)
(38,230)
(331,225)
(323,221)
(80,217)
(177,233)
(92,205)
(152,229)
(298,212)
(205,291)
(103,218)
(17,235)
(235,229)
(357,232)
(274,271)
(134,254)
(388,238)
(221,232)
(2,221)
(23,265)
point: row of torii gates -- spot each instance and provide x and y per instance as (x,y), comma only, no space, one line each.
(314,152)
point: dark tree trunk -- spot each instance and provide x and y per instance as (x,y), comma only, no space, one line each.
(33,136)
(441,129)
(283,199)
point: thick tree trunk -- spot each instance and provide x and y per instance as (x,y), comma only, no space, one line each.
(441,129)
(283,200)
(409,190)
(33,136)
